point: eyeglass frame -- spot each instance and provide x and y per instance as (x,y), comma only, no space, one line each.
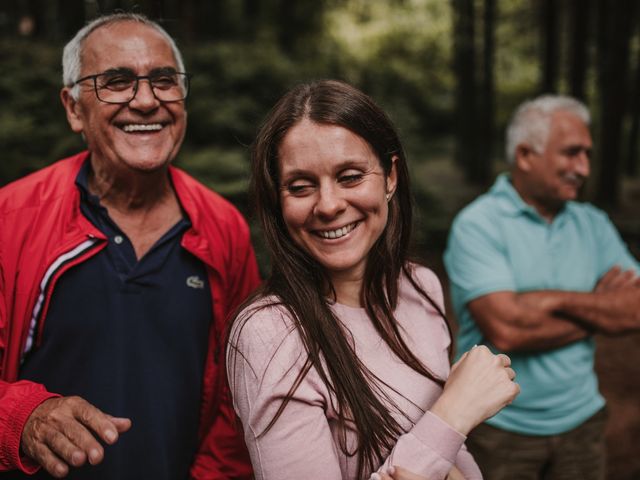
(137,78)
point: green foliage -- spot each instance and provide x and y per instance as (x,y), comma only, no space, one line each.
(33,129)
(235,84)
(224,170)
(398,52)
(233,87)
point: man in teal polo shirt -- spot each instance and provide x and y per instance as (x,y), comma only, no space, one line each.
(535,274)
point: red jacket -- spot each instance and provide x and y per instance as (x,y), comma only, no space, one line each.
(43,233)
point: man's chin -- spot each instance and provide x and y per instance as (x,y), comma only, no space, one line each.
(147,164)
(569,196)
(571,192)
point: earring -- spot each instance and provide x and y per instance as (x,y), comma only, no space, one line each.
(388,197)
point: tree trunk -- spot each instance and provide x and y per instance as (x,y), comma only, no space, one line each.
(38,12)
(106,7)
(186,10)
(579,17)
(71,15)
(297,22)
(252,18)
(483,171)
(464,66)
(634,130)
(550,46)
(614,67)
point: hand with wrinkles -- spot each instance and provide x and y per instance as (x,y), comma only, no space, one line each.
(65,432)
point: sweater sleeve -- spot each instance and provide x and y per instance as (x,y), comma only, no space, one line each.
(431,448)
(17,402)
(265,357)
(467,465)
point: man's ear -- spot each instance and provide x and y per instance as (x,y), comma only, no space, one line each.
(72,109)
(524,156)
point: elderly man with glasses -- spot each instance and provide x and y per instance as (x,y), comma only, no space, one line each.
(117,275)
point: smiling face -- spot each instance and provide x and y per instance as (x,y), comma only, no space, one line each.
(143,135)
(555,175)
(333,194)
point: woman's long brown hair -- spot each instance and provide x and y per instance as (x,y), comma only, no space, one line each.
(302,286)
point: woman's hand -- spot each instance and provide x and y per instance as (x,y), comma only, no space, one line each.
(399,473)
(455,474)
(479,385)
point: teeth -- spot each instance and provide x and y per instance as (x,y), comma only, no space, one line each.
(340,232)
(138,127)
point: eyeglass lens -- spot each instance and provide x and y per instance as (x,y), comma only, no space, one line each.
(121,88)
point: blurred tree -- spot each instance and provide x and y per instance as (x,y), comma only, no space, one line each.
(37,10)
(483,172)
(71,17)
(399,51)
(634,130)
(474,110)
(579,16)
(104,6)
(615,30)
(298,23)
(550,45)
(187,11)
(251,18)
(466,129)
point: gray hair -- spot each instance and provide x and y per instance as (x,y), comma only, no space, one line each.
(72,53)
(532,120)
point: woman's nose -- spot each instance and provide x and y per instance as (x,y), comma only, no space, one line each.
(330,201)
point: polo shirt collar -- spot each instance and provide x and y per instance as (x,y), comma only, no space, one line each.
(82,182)
(512,203)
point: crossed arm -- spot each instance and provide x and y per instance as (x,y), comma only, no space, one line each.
(546,319)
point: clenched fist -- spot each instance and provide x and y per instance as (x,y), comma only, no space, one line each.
(479,385)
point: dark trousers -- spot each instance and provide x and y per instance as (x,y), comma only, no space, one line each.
(578,454)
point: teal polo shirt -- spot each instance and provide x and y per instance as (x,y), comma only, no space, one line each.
(499,243)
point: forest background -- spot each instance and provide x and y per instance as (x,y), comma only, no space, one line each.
(449,73)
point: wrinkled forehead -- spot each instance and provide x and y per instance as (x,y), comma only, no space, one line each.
(126,44)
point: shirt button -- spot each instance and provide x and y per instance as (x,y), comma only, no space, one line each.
(118,239)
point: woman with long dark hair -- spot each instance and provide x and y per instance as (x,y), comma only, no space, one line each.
(339,365)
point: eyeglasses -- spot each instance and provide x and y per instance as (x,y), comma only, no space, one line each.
(122,87)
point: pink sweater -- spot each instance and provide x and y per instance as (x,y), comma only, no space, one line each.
(303,443)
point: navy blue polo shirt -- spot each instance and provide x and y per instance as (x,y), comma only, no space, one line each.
(130,336)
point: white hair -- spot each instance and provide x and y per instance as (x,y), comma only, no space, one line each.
(72,53)
(532,120)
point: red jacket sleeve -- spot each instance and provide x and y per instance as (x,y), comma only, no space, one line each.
(223,454)
(17,401)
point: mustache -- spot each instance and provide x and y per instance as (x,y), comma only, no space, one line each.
(575,178)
